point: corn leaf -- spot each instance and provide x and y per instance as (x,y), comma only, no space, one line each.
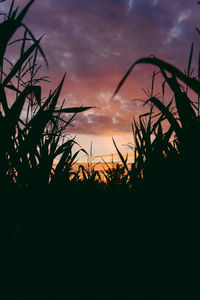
(183,103)
(56,95)
(168,116)
(190,61)
(3,99)
(19,63)
(73,109)
(193,83)
(24,12)
(124,161)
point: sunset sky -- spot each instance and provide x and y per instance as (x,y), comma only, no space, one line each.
(95,42)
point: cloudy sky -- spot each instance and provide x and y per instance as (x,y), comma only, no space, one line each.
(95,42)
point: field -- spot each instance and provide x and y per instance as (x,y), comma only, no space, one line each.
(79,232)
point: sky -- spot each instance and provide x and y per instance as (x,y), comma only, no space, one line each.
(95,42)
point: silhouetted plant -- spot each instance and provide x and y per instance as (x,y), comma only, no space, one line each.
(89,174)
(31,137)
(116,176)
(181,141)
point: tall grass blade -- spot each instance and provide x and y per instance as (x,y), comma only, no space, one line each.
(183,103)
(3,100)
(193,83)
(169,116)
(24,12)
(23,43)
(11,9)
(57,94)
(20,62)
(64,156)
(190,61)
(124,161)
(73,109)
(152,83)
(161,118)
(15,111)
(35,40)
(62,148)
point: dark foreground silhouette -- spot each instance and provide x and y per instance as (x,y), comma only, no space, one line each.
(87,243)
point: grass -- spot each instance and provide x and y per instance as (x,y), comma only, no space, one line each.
(123,233)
